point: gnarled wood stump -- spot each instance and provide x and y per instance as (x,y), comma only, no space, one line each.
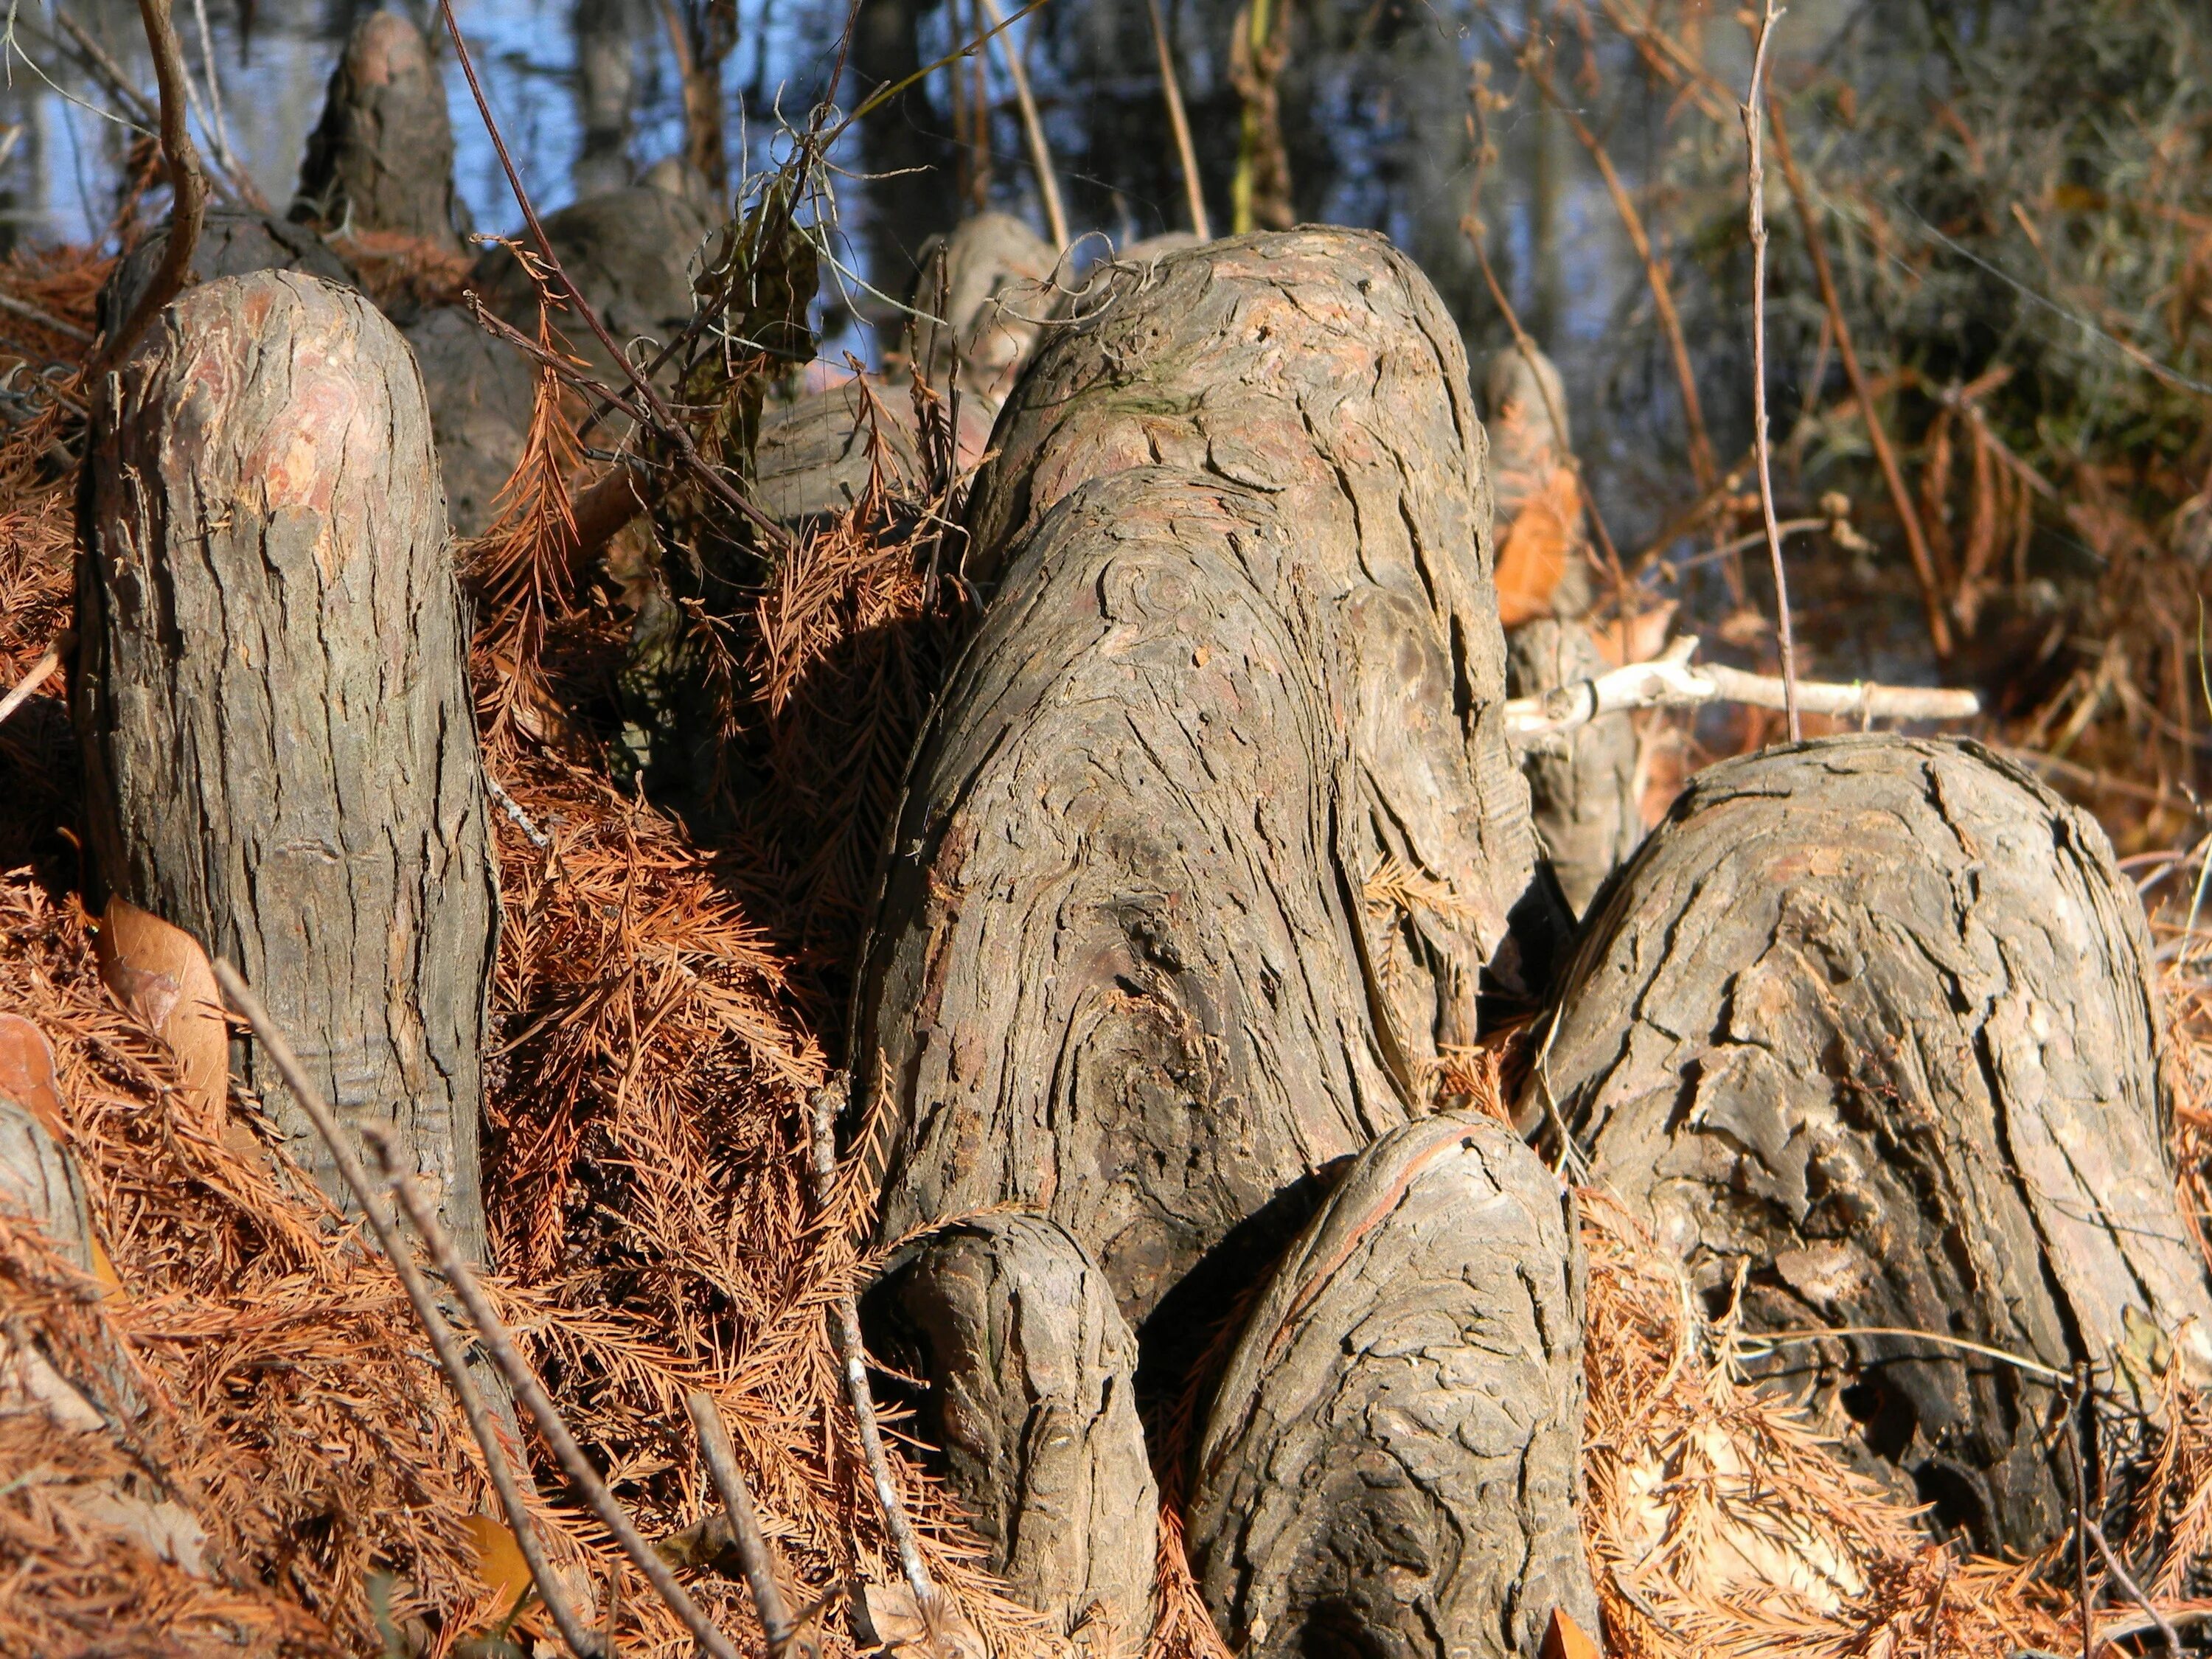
(1869,1020)
(1114,982)
(272,703)
(230,245)
(1032,1373)
(1391,1462)
(382,156)
(1319,369)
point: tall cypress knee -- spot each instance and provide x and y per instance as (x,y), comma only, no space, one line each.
(272,702)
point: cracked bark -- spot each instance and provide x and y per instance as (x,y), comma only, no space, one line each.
(272,704)
(1872,1018)
(1031,1372)
(382,156)
(1391,1462)
(1318,369)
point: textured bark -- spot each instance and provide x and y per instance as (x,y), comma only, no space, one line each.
(1319,368)
(1582,784)
(230,245)
(812,459)
(1390,1466)
(1869,1018)
(1114,981)
(630,252)
(272,702)
(1031,1372)
(382,158)
(481,393)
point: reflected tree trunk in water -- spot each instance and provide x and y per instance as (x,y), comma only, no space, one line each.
(905,136)
(606,85)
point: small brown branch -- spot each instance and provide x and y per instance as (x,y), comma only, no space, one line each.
(1055,215)
(41,671)
(1670,681)
(188,188)
(1171,90)
(755,1555)
(2126,1581)
(1893,475)
(853,1358)
(2074,1407)
(443,1341)
(1755,179)
(662,419)
(499,1343)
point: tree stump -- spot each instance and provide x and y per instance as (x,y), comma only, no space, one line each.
(981,311)
(1869,1021)
(1391,1464)
(1319,369)
(1582,784)
(382,157)
(1114,980)
(272,703)
(1032,1373)
(230,245)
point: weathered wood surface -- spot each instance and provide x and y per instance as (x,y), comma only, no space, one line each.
(382,156)
(1582,784)
(1113,979)
(230,245)
(1032,1373)
(812,456)
(1392,1461)
(1869,1018)
(1319,368)
(272,704)
(481,393)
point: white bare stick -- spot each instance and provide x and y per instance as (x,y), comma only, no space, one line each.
(1669,681)
(41,671)
(1032,128)
(1756,184)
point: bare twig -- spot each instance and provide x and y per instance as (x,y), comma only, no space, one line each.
(443,1342)
(1032,127)
(1171,90)
(31,313)
(41,671)
(1756,190)
(1669,681)
(1763,1340)
(852,1355)
(663,419)
(187,186)
(499,1343)
(755,1555)
(1885,454)
(2126,1581)
(106,70)
(2074,1407)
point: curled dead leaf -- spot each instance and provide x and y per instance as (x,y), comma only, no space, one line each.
(161,974)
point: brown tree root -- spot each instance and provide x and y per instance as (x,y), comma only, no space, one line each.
(1867,1028)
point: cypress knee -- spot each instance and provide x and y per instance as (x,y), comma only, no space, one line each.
(272,703)
(382,157)
(1032,1373)
(1319,369)
(1869,1021)
(1582,784)
(1391,1463)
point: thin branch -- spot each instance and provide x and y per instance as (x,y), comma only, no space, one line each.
(499,1343)
(1669,681)
(1822,1334)
(443,1342)
(1755,179)
(663,419)
(852,1356)
(31,313)
(41,671)
(1893,475)
(1171,90)
(1033,127)
(187,184)
(2126,1581)
(2081,1502)
(755,1555)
